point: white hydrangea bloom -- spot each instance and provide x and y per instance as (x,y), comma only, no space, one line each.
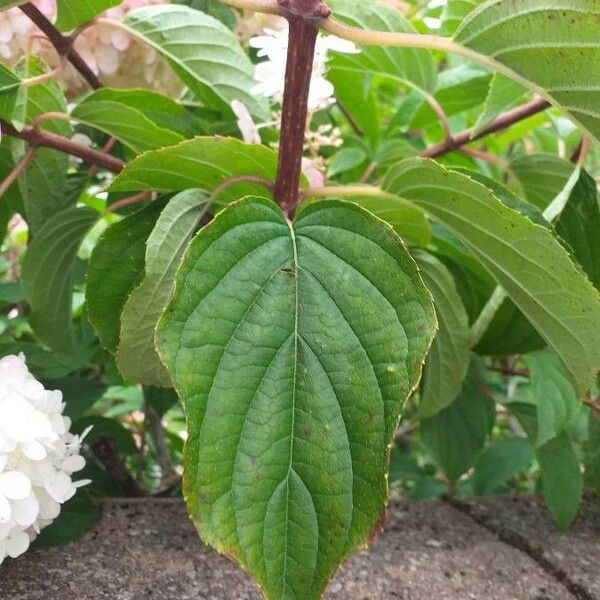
(38,457)
(270,74)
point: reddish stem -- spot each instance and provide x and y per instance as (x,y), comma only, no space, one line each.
(303,17)
(63,44)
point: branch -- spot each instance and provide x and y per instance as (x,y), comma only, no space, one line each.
(504,121)
(47,139)
(17,170)
(63,44)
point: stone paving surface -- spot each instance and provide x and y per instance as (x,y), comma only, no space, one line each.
(147,549)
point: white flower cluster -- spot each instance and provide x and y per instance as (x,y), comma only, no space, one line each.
(38,457)
(270,74)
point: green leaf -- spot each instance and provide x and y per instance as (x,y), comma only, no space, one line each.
(541,176)
(499,463)
(562,482)
(43,185)
(293,346)
(555,397)
(48,276)
(455,437)
(77,516)
(579,226)
(6,4)
(72,14)
(454,12)
(448,360)
(9,88)
(161,400)
(592,455)
(525,258)
(203,52)
(504,94)
(116,266)
(413,68)
(136,356)
(346,159)
(458,89)
(162,110)
(108,111)
(79,395)
(204,162)
(551,47)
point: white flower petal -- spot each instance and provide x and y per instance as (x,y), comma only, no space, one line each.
(17,544)
(34,450)
(14,485)
(59,487)
(5,510)
(26,511)
(72,464)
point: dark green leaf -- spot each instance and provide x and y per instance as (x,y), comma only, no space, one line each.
(293,346)
(456,436)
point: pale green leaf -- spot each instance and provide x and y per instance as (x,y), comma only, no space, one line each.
(454,13)
(456,436)
(406,66)
(526,259)
(556,400)
(552,46)
(107,111)
(293,346)
(136,356)
(204,162)
(448,360)
(504,94)
(71,14)
(48,275)
(202,51)
(115,268)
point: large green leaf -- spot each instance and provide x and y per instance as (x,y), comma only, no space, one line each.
(293,347)
(43,184)
(406,66)
(526,259)
(136,356)
(115,268)
(556,400)
(204,162)
(592,455)
(72,14)
(48,275)
(202,51)
(455,437)
(551,46)
(106,110)
(4,4)
(448,360)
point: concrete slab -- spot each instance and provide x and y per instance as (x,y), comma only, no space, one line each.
(147,549)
